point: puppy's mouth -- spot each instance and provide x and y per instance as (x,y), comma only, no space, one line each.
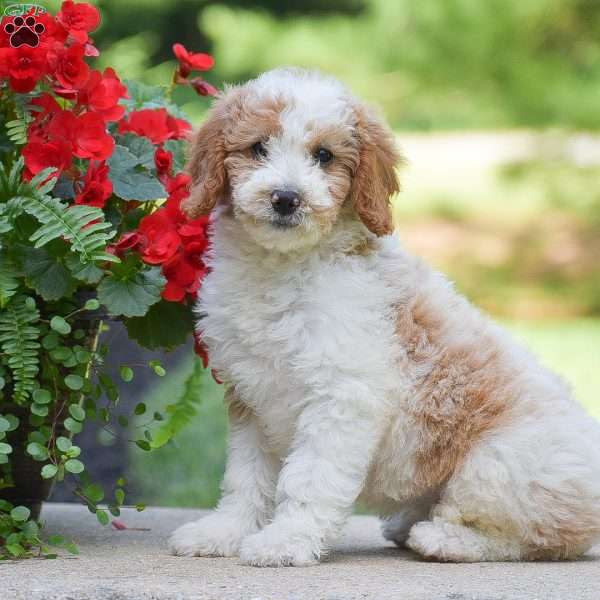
(287,222)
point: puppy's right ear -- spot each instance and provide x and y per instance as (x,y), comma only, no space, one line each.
(206,164)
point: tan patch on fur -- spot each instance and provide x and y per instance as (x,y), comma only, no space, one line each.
(363,248)
(223,145)
(375,179)
(459,396)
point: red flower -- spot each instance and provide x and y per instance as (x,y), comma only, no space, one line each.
(155,124)
(101,94)
(78,19)
(178,189)
(97,188)
(128,241)
(24,66)
(203,88)
(40,155)
(163,160)
(192,61)
(92,140)
(68,67)
(183,277)
(161,240)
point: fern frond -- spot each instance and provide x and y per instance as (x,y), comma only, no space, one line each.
(19,335)
(184,409)
(83,226)
(9,282)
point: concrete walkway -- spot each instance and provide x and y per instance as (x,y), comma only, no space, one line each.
(124,565)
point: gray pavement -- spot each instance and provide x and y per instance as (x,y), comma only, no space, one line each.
(131,565)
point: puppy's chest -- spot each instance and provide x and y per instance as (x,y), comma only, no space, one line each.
(282,336)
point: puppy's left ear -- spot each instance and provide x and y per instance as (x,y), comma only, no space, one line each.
(375,179)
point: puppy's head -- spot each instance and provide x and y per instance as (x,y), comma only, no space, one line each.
(289,151)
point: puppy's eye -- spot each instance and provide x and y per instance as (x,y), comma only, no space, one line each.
(259,150)
(323,156)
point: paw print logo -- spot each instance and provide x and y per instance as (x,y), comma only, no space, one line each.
(24,32)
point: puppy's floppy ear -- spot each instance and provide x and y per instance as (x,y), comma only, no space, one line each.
(375,179)
(206,163)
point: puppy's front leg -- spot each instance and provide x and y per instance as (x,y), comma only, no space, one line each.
(318,485)
(248,492)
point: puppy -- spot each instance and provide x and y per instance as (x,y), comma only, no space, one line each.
(356,372)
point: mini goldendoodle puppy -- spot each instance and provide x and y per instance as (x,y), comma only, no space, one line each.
(354,370)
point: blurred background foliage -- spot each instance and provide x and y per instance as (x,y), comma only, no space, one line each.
(496,104)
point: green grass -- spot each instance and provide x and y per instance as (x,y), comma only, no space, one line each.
(188,472)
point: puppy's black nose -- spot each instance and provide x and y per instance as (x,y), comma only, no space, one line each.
(285,202)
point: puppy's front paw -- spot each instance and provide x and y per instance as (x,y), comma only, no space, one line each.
(214,535)
(272,548)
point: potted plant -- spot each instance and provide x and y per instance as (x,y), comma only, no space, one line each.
(91,179)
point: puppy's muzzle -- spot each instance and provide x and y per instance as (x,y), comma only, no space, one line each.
(285,202)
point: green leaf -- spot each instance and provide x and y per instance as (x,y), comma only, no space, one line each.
(37,450)
(119,496)
(131,183)
(141,147)
(74,466)
(181,412)
(126,373)
(77,412)
(41,410)
(130,293)
(102,517)
(92,304)
(42,396)
(72,425)
(83,226)
(94,492)
(5,448)
(19,335)
(50,341)
(20,513)
(140,409)
(63,443)
(8,281)
(60,325)
(142,95)
(46,273)
(4,424)
(74,382)
(166,325)
(86,272)
(49,471)
(143,444)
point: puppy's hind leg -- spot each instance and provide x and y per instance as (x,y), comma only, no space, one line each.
(396,527)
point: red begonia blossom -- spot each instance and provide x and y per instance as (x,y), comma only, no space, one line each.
(192,61)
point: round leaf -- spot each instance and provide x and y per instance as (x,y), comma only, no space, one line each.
(41,410)
(74,466)
(5,448)
(4,424)
(60,325)
(126,373)
(20,513)
(63,443)
(42,396)
(73,425)
(74,382)
(77,412)
(92,304)
(102,517)
(49,471)
(140,408)
(94,492)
